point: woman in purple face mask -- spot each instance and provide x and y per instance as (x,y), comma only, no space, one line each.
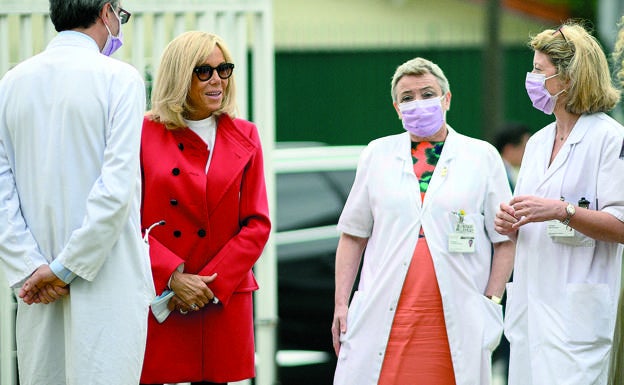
(420,219)
(566,218)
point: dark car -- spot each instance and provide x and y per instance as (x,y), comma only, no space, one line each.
(312,185)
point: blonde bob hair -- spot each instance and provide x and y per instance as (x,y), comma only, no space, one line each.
(170,102)
(418,66)
(581,62)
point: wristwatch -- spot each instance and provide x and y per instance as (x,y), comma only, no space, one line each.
(495,299)
(570,211)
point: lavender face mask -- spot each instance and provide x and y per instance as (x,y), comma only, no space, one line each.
(422,118)
(113,43)
(539,95)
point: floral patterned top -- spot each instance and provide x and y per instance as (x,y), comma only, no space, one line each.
(425,156)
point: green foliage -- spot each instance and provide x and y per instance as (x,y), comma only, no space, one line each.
(149,83)
(584,9)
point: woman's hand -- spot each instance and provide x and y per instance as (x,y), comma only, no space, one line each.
(528,208)
(339,326)
(505,221)
(192,291)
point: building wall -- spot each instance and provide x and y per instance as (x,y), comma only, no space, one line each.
(364,24)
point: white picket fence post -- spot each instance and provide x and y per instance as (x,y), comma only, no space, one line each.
(8,358)
(247,27)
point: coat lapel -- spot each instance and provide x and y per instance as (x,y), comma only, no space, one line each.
(560,160)
(444,166)
(232,151)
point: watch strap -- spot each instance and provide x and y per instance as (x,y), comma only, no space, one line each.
(569,213)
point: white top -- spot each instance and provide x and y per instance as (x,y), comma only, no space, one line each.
(207,130)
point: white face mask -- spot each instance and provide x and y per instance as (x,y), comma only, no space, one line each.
(113,42)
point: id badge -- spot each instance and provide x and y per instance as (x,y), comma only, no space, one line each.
(565,235)
(462,239)
(555,228)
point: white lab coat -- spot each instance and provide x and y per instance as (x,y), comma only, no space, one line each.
(562,303)
(385,206)
(70,124)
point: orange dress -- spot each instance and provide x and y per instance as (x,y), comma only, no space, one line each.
(418,349)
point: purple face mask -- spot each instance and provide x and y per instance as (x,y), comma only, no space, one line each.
(539,95)
(113,42)
(422,118)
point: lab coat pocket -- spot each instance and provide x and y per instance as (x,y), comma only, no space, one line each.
(578,239)
(514,322)
(492,325)
(587,310)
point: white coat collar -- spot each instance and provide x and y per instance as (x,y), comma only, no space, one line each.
(73,38)
(579,130)
(445,164)
(403,152)
(404,145)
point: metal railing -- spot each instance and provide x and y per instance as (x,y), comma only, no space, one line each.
(247,27)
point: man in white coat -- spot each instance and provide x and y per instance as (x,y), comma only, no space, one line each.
(70,237)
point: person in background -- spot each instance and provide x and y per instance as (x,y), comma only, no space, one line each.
(616,370)
(421,216)
(510,142)
(566,218)
(70,239)
(203,176)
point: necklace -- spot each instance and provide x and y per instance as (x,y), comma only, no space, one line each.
(562,137)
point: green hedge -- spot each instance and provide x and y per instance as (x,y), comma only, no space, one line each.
(344,97)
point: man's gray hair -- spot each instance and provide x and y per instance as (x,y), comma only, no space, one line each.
(71,14)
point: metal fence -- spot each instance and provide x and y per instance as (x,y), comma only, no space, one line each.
(247,27)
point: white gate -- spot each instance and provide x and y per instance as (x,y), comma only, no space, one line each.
(247,27)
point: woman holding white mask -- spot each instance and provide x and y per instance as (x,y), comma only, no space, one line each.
(566,218)
(421,216)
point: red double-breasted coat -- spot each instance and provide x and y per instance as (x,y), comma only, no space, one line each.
(215,223)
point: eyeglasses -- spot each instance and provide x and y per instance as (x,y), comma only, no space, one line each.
(204,72)
(560,30)
(124,15)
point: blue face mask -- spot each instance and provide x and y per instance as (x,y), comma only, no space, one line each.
(113,42)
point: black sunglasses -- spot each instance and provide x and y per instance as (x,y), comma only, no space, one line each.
(124,15)
(204,72)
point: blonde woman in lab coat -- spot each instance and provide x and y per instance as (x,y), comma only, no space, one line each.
(420,218)
(566,219)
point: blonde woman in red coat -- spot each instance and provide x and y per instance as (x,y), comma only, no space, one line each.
(203,176)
